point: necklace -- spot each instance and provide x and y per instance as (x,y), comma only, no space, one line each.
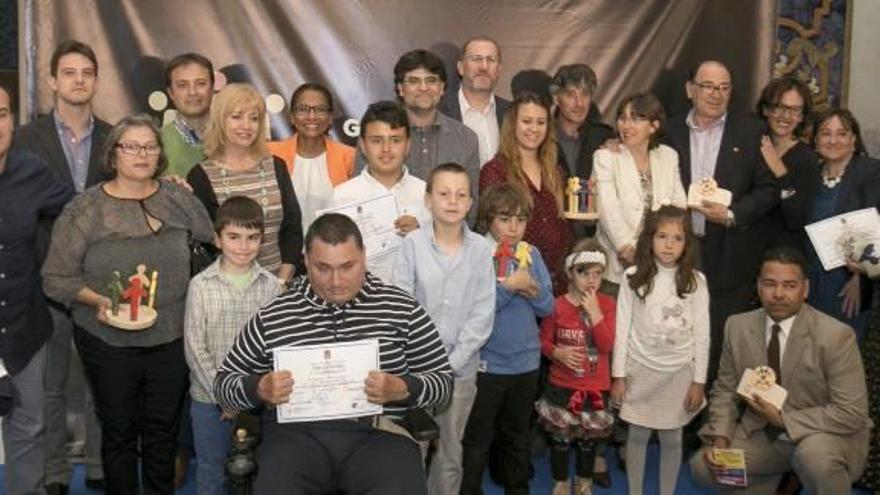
(831,182)
(226,175)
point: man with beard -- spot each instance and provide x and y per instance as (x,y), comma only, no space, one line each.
(475,104)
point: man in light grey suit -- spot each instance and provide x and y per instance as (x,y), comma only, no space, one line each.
(822,431)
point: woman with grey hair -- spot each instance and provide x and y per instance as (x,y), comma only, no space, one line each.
(138,377)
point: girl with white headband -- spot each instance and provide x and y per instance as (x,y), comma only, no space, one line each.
(578,338)
(661,348)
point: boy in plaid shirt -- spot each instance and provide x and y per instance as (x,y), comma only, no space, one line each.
(220,301)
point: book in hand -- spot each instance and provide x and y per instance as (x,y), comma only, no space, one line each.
(733,471)
(761,381)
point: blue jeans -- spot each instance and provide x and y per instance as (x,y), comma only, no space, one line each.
(213,438)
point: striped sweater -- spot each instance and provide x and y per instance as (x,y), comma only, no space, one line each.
(409,345)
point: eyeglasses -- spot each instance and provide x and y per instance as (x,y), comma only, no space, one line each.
(479,59)
(710,88)
(305,110)
(780,109)
(418,81)
(134,149)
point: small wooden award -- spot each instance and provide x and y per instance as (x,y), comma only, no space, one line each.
(580,200)
(133,315)
(707,190)
(761,381)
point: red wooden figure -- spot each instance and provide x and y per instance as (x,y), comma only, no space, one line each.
(133,294)
(503,256)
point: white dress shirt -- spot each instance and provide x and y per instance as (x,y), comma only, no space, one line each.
(483,123)
(312,185)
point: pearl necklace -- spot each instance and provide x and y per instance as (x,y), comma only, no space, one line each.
(831,182)
(225,174)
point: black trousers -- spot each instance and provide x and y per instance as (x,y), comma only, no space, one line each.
(504,404)
(138,393)
(337,456)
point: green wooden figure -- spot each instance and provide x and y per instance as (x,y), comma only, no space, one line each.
(114,287)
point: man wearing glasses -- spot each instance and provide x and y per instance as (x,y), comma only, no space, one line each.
(71,139)
(475,104)
(420,79)
(713,143)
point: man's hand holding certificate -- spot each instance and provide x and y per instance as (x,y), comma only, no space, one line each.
(329,381)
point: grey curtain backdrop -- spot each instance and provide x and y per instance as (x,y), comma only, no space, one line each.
(352,46)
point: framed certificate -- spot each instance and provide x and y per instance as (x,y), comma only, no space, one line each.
(375,218)
(328,380)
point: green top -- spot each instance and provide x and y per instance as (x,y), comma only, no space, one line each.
(181,156)
(237,280)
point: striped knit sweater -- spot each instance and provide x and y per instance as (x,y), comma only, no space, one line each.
(409,345)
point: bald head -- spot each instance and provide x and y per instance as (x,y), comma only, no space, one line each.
(709,89)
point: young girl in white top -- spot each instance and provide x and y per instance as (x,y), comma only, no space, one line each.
(662,344)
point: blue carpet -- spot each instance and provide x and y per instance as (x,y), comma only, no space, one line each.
(540,485)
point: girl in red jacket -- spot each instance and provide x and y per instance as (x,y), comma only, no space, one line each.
(578,337)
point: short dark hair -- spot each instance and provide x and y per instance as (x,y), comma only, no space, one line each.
(773,91)
(389,112)
(577,75)
(334,228)
(480,37)
(71,46)
(419,59)
(786,255)
(506,198)
(692,71)
(310,86)
(239,211)
(8,92)
(450,167)
(186,59)
(849,123)
(136,120)
(646,106)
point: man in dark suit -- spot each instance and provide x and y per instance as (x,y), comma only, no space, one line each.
(475,104)
(822,430)
(71,139)
(579,130)
(713,143)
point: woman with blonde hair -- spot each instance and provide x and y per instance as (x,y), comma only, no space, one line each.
(238,163)
(527,157)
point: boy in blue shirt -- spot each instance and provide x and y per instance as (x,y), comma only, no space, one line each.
(448,268)
(507,381)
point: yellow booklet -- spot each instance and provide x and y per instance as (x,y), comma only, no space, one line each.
(734,470)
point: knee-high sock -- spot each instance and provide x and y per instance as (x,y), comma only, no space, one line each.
(670,459)
(636,447)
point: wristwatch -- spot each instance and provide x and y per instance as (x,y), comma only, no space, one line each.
(731,218)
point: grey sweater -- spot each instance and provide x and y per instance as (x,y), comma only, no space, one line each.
(98,233)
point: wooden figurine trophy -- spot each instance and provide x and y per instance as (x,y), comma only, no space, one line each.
(133,315)
(580,204)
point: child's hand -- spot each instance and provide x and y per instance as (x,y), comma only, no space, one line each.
(618,391)
(693,401)
(518,281)
(572,357)
(590,303)
(406,224)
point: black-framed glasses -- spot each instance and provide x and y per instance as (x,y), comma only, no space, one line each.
(780,109)
(134,149)
(304,110)
(710,88)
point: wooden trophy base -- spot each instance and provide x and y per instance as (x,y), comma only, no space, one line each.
(586,217)
(122,320)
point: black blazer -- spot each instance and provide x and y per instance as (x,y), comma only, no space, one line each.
(785,222)
(449,106)
(592,135)
(730,256)
(41,137)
